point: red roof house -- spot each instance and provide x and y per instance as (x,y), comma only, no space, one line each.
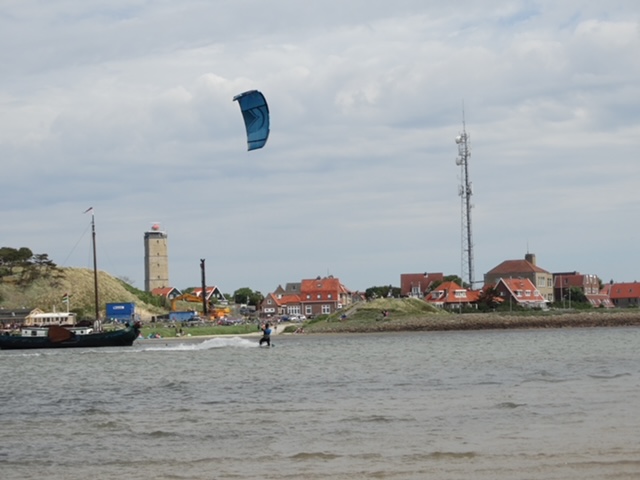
(450,295)
(521,292)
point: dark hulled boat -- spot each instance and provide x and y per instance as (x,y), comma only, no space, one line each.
(60,337)
(55,336)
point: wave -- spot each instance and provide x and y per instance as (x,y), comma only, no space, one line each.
(609,377)
(314,456)
(510,405)
(219,342)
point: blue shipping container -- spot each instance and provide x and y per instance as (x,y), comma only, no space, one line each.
(121,311)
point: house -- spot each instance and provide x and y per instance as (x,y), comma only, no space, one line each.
(323,296)
(319,296)
(212,294)
(418,284)
(527,268)
(10,318)
(166,292)
(280,303)
(588,284)
(451,296)
(624,295)
(520,291)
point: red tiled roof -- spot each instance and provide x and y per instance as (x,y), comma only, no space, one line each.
(164,291)
(523,285)
(598,300)
(624,290)
(423,280)
(198,291)
(281,300)
(515,266)
(322,285)
(563,281)
(446,293)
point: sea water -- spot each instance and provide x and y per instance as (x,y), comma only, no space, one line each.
(513,404)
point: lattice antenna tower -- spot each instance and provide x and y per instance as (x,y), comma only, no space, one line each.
(465,191)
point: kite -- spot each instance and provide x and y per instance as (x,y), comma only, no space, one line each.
(256,117)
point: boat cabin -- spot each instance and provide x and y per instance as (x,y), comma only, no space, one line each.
(44,332)
(38,318)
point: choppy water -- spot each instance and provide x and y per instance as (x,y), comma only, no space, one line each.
(537,404)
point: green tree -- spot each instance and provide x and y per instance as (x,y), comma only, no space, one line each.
(382,292)
(10,258)
(247,296)
(574,295)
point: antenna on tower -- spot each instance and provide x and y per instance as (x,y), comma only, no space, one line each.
(465,191)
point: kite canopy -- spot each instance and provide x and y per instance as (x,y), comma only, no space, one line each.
(256,117)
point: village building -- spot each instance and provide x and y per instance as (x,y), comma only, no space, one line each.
(417,285)
(451,296)
(525,269)
(625,295)
(312,297)
(520,292)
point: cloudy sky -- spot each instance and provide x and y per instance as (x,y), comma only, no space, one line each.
(126,106)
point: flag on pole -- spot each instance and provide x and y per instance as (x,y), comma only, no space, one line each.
(90,209)
(65,298)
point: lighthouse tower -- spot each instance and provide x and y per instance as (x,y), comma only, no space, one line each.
(156,259)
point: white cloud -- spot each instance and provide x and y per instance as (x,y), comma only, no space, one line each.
(127,106)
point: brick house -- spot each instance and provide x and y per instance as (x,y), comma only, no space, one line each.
(520,291)
(166,292)
(319,296)
(212,293)
(323,296)
(588,284)
(527,268)
(417,285)
(451,296)
(625,295)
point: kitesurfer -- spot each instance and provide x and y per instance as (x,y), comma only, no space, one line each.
(266,335)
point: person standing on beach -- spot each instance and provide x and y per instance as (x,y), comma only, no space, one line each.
(266,335)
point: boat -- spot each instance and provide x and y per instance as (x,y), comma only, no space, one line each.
(61,337)
(57,336)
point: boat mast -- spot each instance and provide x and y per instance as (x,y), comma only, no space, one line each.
(95,264)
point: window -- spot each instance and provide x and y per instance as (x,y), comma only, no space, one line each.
(326,309)
(527,293)
(329,296)
(319,296)
(307,310)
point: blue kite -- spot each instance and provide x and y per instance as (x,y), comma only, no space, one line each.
(255,112)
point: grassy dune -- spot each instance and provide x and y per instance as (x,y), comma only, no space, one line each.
(415,315)
(46,293)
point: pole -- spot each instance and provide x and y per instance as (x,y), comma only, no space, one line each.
(204,289)
(95,265)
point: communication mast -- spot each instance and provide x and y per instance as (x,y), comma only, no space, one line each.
(465,191)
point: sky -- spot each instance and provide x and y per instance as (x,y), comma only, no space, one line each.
(126,106)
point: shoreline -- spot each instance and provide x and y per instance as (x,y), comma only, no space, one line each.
(452,322)
(482,321)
